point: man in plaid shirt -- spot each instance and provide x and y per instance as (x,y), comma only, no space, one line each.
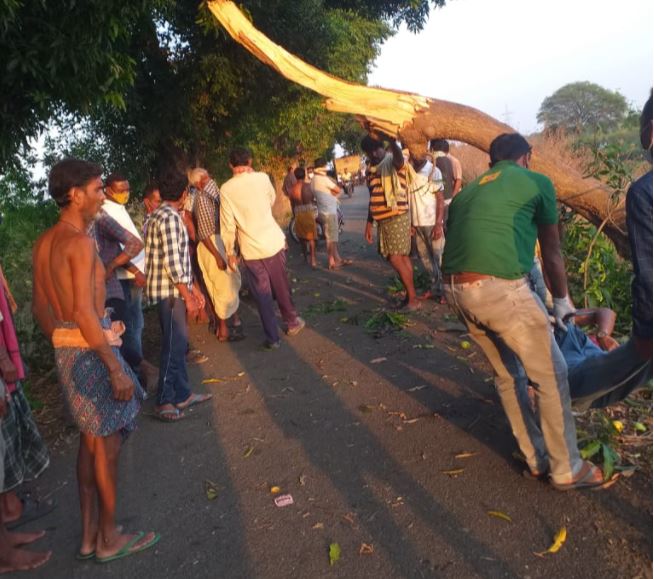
(170,286)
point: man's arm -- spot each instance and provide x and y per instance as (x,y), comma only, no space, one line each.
(204,213)
(82,267)
(639,226)
(437,232)
(40,306)
(398,157)
(227,226)
(548,236)
(174,261)
(111,229)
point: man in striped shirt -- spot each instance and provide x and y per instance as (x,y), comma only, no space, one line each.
(170,287)
(389,208)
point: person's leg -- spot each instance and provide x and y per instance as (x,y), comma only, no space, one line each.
(13,559)
(402,265)
(527,333)
(604,380)
(437,248)
(87,493)
(312,252)
(423,247)
(511,384)
(276,268)
(109,540)
(131,349)
(172,376)
(259,285)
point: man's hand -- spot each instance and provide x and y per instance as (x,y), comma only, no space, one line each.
(199,297)
(122,386)
(8,370)
(139,279)
(220,263)
(232,262)
(437,232)
(192,305)
(413,231)
(562,311)
(368,232)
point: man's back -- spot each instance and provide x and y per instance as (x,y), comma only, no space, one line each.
(493,222)
(247,200)
(446,168)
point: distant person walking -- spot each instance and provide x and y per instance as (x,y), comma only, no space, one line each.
(302,200)
(246,214)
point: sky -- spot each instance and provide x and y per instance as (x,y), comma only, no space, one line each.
(505,57)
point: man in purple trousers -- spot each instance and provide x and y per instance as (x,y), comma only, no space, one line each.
(246,214)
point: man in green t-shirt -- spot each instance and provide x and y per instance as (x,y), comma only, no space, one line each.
(492,229)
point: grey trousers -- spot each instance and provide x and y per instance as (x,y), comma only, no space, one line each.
(430,252)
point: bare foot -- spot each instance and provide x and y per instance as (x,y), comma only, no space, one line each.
(17,539)
(22,560)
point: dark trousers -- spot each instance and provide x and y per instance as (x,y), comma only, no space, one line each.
(130,312)
(268,282)
(173,378)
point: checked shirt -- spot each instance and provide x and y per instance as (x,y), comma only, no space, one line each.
(206,211)
(167,257)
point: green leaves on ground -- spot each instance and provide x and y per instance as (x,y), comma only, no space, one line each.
(384,322)
(326,307)
(334,553)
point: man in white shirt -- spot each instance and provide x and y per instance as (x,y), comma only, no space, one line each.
(132,275)
(246,213)
(326,192)
(427,208)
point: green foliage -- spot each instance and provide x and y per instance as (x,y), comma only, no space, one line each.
(600,444)
(583,107)
(62,54)
(384,322)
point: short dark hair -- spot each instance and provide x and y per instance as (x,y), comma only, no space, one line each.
(646,115)
(299,173)
(172,186)
(368,144)
(150,188)
(508,147)
(439,145)
(114,177)
(70,173)
(320,162)
(240,157)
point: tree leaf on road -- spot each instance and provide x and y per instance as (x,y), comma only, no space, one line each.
(211,489)
(366,549)
(248,451)
(453,472)
(500,515)
(559,539)
(378,360)
(334,553)
(212,381)
(466,454)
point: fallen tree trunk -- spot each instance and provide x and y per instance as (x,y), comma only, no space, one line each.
(416,119)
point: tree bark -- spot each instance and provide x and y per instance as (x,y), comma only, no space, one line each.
(416,119)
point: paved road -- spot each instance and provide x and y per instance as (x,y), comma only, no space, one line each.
(359,431)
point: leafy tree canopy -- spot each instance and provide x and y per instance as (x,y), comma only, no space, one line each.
(582,107)
(136,84)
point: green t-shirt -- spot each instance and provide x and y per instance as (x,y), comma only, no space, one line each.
(493,222)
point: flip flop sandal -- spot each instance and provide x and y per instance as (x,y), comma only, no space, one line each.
(129,549)
(194,400)
(85,556)
(585,480)
(235,337)
(169,415)
(32,510)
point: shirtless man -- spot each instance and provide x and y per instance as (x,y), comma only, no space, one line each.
(101,390)
(302,200)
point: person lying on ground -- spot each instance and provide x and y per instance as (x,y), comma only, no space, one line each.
(101,390)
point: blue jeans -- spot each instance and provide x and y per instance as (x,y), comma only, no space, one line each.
(603,380)
(173,378)
(132,348)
